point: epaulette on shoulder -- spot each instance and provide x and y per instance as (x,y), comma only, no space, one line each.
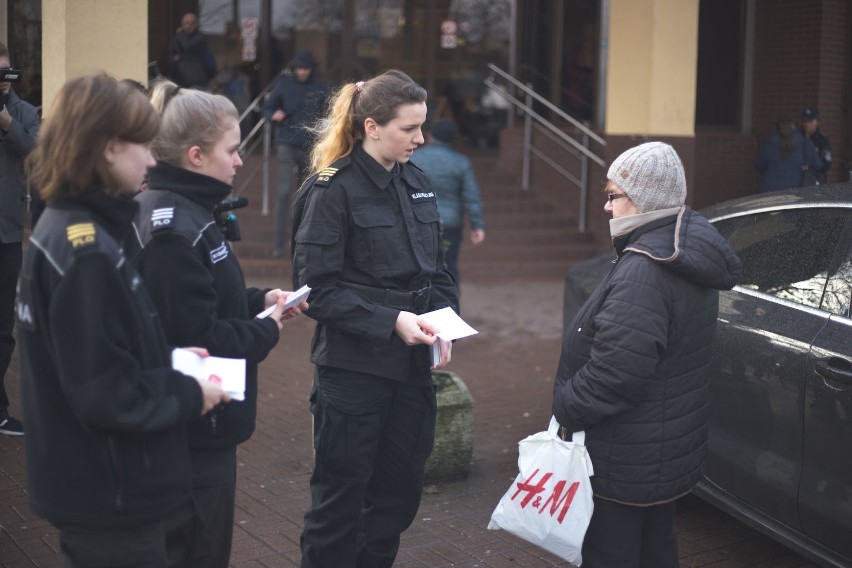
(163,208)
(324,175)
(81,235)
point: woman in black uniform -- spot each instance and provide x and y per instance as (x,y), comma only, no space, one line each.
(198,286)
(367,240)
(107,458)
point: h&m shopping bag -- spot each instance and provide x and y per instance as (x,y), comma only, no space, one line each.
(550,502)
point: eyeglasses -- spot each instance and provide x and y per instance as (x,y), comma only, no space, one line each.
(613,196)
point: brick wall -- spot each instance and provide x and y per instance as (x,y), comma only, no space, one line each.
(801,58)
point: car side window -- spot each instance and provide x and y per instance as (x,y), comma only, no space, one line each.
(838,290)
(789,253)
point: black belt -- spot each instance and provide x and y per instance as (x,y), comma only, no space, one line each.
(415,300)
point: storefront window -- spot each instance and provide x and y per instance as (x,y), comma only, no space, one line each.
(445,45)
(24,33)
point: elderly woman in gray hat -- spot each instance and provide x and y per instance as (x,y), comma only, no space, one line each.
(635,361)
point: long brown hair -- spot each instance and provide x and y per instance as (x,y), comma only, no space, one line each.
(379,99)
(86,114)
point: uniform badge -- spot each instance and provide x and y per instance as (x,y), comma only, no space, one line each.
(219,253)
(162,217)
(81,234)
(326,174)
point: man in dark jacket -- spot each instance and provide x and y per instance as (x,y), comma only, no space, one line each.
(635,361)
(191,63)
(295,105)
(810,128)
(19,123)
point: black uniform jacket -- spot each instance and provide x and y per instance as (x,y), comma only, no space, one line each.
(378,230)
(636,360)
(106,439)
(198,286)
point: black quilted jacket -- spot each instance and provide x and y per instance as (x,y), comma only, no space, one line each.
(636,360)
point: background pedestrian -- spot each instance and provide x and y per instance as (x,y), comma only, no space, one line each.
(454,184)
(191,64)
(784,157)
(294,106)
(19,124)
(810,128)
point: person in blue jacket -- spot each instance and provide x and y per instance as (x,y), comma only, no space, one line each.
(454,184)
(295,105)
(783,157)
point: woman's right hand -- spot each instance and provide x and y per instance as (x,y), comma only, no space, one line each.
(413,331)
(211,395)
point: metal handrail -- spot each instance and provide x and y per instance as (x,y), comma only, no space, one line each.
(577,148)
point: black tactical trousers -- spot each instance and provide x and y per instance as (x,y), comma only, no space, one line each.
(372,437)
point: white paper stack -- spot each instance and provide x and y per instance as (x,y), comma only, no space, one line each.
(230,373)
(450,326)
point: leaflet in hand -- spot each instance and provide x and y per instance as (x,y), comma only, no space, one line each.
(293,300)
(450,326)
(229,373)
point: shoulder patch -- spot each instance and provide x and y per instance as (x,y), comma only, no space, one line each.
(323,177)
(162,216)
(326,174)
(80,234)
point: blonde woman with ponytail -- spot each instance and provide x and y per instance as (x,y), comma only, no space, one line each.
(198,287)
(367,240)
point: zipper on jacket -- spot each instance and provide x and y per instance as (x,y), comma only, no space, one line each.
(116,472)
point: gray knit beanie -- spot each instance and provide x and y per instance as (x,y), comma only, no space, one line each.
(651,174)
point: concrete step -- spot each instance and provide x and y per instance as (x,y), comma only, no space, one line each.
(528,233)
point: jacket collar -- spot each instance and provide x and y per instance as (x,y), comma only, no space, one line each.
(115,214)
(381,177)
(625,225)
(199,188)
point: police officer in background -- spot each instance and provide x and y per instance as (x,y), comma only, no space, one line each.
(367,240)
(810,128)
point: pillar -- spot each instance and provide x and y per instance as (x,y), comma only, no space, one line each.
(652,59)
(81,37)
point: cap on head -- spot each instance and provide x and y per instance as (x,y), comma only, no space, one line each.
(303,59)
(810,113)
(444,130)
(652,175)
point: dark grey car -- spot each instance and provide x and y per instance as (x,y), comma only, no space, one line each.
(780,450)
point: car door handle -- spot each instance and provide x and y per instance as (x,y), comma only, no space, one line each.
(835,369)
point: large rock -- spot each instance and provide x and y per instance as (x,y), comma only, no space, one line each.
(453,452)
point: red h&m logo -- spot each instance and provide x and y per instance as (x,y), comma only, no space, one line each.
(556,499)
